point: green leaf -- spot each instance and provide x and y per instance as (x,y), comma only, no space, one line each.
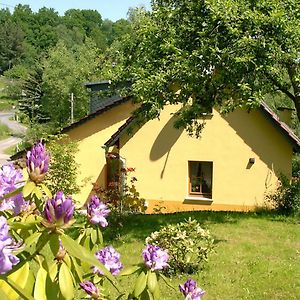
(46,190)
(94,237)
(52,289)
(32,239)
(13,193)
(22,292)
(27,224)
(100,236)
(87,242)
(66,282)
(156,293)
(37,192)
(140,284)
(19,275)
(145,295)
(52,270)
(77,268)
(67,260)
(3,295)
(152,281)
(28,188)
(165,279)
(40,284)
(129,271)
(84,255)
(43,240)
(54,244)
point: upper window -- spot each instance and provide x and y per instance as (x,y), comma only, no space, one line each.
(200,178)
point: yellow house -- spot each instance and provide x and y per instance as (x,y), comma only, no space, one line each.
(232,166)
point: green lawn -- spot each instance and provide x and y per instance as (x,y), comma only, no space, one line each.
(257,256)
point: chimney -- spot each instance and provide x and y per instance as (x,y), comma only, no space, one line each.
(285,114)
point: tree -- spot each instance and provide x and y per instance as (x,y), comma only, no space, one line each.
(213,53)
(4,15)
(86,19)
(65,72)
(31,101)
(11,45)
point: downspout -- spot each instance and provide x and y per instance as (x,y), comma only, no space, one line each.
(122,181)
(122,177)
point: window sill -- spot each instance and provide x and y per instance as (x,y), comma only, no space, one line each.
(195,198)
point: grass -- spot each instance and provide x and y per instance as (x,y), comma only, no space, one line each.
(256,255)
(4,131)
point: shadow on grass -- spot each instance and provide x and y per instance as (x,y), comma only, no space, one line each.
(138,227)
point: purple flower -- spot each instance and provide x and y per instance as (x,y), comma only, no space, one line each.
(90,289)
(59,210)
(10,180)
(7,244)
(190,290)
(37,162)
(155,258)
(97,211)
(110,258)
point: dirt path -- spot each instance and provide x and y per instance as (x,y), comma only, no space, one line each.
(16,128)
(4,144)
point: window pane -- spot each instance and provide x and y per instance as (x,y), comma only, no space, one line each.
(196,184)
(207,177)
(200,178)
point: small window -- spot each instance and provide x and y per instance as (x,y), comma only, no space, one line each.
(200,178)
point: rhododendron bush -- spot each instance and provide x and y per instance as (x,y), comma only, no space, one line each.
(48,253)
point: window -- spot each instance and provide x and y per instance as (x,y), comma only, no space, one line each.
(200,178)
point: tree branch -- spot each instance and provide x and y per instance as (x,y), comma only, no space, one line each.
(280,86)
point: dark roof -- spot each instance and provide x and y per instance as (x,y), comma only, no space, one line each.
(105,106)
(284,128)
(97,86)
(114,138)
(105,85)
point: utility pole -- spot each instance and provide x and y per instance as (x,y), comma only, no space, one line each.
(72,108)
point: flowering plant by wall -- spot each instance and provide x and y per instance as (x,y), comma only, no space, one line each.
(34,222)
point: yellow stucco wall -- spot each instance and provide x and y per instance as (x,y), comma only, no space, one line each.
(91,135)
(161,153)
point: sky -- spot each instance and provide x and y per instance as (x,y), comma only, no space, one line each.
(109,9)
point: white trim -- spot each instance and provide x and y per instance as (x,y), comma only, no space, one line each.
(198,198)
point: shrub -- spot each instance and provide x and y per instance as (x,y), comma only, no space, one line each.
(122,196)
(188,245)
(63,167)
(296,165)
(286,198)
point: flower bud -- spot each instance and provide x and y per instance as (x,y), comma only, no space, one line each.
(190,290)
(90,289)
(37,162)
(59,210)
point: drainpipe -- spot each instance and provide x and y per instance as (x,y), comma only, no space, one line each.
(122,180)
(122,177)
